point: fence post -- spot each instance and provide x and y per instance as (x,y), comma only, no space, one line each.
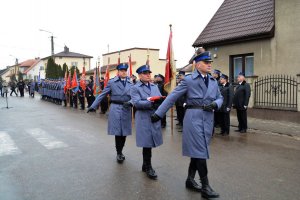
(298,92)
(251,80)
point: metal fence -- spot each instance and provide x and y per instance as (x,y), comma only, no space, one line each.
(276,92)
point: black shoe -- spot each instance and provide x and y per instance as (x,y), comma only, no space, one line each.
(151,173)
(206,190)
(120,158)
(237,130)
(192,185)
(243,131)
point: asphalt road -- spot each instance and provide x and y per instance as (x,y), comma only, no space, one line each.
(48,152)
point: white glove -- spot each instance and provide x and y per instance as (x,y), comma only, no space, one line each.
(184,104)
(227,109)
(245,107)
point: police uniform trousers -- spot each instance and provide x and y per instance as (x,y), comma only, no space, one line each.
(242,119)
(120,142)
(225,122)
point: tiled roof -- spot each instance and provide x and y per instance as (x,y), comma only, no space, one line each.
(239,20)
(71,54)
(28,63)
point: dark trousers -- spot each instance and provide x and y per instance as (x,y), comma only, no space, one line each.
(1,91)
(104,105)
(21,92)
(120,142)
(225,122)
(164,121)
(180,114)
(90,100)
(13,90)
(81,100)
(217,118)
(199,165)
(147,154)
(242,119)
(74,101)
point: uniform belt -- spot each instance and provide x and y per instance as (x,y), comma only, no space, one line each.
(117,102)
(194,107)
(144,109)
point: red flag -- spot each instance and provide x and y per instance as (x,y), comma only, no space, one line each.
(68,82)
(106,77)
(74,83)
(119,61)
(170,71)
(147,61)
(129,71)
(66,79)
(82,80)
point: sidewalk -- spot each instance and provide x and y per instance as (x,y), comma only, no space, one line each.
(279,127)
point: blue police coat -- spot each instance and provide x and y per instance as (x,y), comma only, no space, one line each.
(119,118)
(147,134)
(197,123)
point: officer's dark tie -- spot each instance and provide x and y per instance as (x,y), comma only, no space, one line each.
(123,82)
(206,80)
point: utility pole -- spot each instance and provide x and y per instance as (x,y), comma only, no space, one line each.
(52,41)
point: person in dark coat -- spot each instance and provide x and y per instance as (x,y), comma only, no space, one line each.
(202,98)
(240,102)
(89,93)
(227,93)
(148,135)
(104,101)
(217,114)
(1,86)
(119,118)
(21,87)
(13,88)
(81,98)
(160,81)
(180,101)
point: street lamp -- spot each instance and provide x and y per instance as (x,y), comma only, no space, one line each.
(52,43)
(17,61)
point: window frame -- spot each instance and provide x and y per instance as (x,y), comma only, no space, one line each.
(231,64)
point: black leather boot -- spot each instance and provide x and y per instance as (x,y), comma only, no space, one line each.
(147,168)
(190,182)
(207,191)
(120,158)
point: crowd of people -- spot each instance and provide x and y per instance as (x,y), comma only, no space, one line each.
(203,101)
(17,87)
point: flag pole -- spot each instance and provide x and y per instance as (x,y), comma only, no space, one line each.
(172,108)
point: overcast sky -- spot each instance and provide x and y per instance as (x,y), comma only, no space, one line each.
(88,26)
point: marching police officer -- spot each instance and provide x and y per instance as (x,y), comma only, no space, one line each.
(202,98)
(240,102)
(119,118)
(227,93)
(148,135)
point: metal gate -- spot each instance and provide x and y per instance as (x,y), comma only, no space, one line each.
(276,92)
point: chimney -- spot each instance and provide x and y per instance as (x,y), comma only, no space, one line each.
(66,49)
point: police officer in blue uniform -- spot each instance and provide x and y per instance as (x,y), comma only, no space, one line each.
(202,98)
(148,135)
(119,118)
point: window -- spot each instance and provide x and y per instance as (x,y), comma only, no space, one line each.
(241,63)
(74,64)
(42,67)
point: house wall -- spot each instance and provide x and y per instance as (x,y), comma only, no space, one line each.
(68,60)
(139,56)
(277,55)
(34,72)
